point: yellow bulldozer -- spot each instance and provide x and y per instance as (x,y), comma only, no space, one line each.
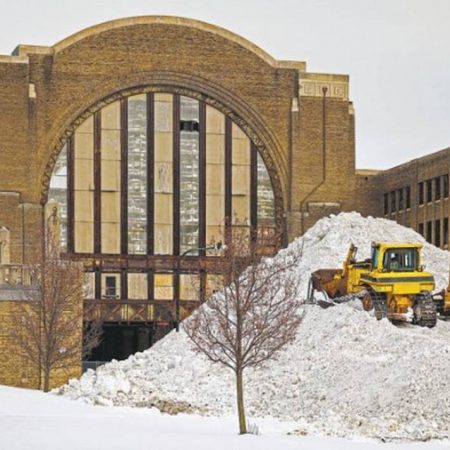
(392,282)
(442,301)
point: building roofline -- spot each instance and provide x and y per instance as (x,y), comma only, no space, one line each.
(23,50)
(430,156)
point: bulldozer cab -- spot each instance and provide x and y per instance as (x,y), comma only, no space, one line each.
(396,257)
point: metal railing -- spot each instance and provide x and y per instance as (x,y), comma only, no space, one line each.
(15,275)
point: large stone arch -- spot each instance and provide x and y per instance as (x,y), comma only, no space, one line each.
(212,94)
(167,20)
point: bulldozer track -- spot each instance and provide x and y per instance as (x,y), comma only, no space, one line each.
(425,311)
(425,314)
(379,305)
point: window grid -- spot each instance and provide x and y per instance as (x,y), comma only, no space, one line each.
(123,153)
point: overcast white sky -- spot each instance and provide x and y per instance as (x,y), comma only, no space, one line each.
(396,53)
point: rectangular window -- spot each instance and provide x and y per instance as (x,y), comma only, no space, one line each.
(240,176)
(189,175)
(437,188)
(84,187)
(265,199)
(137,174)
(58,193)
(393,205)
(408,197)
(400,199)
(137,286)
(386,203)
(445,183)
(429,190)
(189,287)
(163,286)
(110,288)
(110,285)
(445,233)
(429,236)
(420,195)
(421,230)
(89,285)
(437,233)
(163,174)
(110,156)
(215,176)
(400,260)
(214,284)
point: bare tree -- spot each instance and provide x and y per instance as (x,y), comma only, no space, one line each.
(47,328)
(256,314)
(47,324)
(92,336)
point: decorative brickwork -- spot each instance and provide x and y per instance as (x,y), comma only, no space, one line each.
(47,91)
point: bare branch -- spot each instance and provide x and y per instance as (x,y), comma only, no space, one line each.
(48,324)
(255,315)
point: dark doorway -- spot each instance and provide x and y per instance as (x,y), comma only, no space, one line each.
(119,341)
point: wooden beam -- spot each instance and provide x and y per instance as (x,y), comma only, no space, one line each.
(150,172)
(70,194)
(97,183)
(202,178)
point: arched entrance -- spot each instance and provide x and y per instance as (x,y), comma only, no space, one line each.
(144,185)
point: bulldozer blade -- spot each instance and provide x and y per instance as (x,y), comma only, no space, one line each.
(325,304)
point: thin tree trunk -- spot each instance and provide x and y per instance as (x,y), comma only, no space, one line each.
(46,380)
(240,402)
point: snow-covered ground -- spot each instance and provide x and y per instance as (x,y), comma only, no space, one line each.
(345,375)
(31,420)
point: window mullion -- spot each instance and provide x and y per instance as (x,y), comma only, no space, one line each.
(124,176)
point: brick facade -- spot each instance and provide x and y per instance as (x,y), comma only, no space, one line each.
(303,132)
(13,370)
(18,371)
(427,212)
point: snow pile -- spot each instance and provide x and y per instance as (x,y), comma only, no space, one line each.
(346,373)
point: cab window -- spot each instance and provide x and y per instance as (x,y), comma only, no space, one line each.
(375,254)
(401,260)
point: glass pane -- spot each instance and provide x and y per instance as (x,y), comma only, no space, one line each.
(189,175)
(266,201)
(215,176)
(163,286)
(111,116)
(400,260)
(137,174)
(240,176)
(137,286)
(84,187)
(163,175)
(58,193)
(189,287)
(110,178)
(110,286)
(89,285)
(214,283)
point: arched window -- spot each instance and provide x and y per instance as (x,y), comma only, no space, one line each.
(144,186)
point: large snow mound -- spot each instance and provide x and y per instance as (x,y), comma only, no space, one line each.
(346,373)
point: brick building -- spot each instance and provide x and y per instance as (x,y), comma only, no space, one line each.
(416,194)
(148,132)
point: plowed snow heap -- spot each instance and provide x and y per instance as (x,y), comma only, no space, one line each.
(346,373)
